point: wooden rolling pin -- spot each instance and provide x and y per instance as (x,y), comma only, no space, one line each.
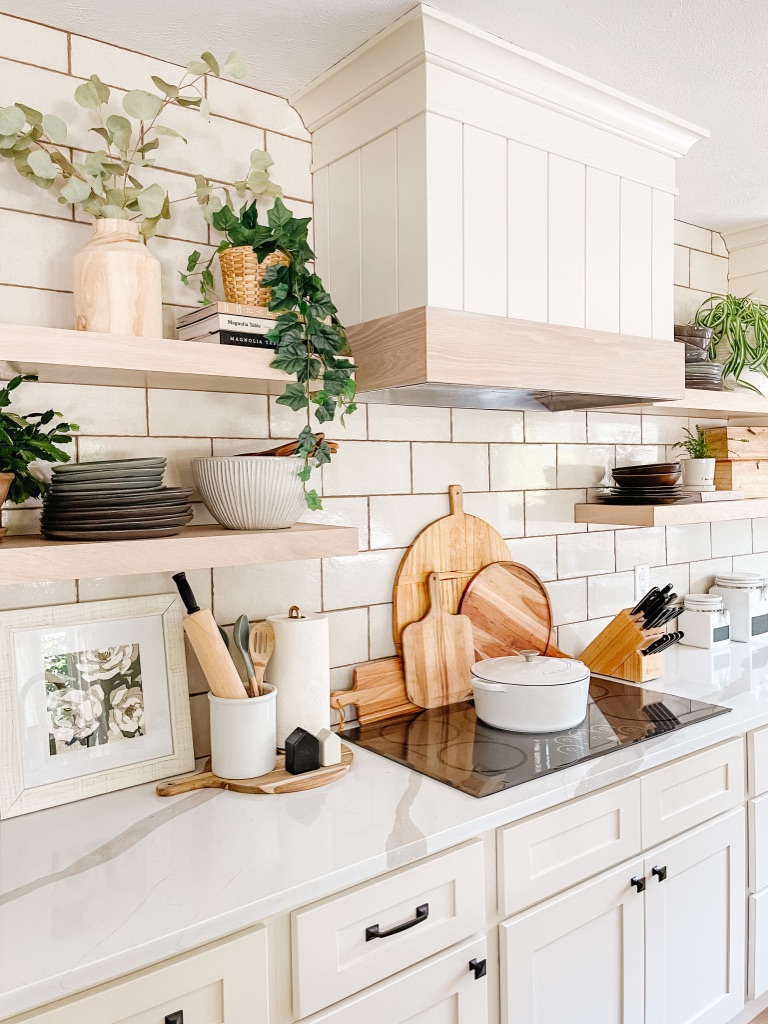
(205,637)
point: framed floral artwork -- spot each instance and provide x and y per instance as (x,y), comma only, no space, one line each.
(93,698)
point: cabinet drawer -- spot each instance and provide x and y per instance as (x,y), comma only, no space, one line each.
(758,843)
(443,990)
(758,945)
(336,948)
(225,982)
(689,792)
(546,854)
(757,747)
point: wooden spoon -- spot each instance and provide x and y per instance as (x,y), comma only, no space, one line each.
(261,644)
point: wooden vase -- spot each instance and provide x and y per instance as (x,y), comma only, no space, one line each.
(6,479)
(117,282)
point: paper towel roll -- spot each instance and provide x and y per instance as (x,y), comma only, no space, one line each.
(300,670)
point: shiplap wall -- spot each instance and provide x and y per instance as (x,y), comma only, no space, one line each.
(522,472)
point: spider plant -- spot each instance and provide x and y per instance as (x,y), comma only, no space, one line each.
(739,334)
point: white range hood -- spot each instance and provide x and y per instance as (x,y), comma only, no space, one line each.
(496,230)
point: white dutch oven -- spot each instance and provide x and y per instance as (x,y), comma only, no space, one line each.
(530,693)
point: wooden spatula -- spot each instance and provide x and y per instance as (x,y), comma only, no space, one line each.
(438,653)
(261,644)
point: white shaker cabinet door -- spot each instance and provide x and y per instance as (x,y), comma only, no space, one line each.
(578,957)
(694,926)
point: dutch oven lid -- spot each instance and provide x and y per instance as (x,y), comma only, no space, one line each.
(529,668)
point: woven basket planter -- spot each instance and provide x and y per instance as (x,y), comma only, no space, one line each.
(242,275)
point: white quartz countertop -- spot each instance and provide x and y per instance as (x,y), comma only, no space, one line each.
(96,889)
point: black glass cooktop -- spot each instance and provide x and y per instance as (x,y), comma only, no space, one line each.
(452,745)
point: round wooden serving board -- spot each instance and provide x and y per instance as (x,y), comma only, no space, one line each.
(277,781)
(455,546)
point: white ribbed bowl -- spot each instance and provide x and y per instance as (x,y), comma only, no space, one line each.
(251,492)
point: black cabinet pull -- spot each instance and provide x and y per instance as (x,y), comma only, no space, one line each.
(479,968)
(639,883)
(175,1018)
(373,931)
(661,873)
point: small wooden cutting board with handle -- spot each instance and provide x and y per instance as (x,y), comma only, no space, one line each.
(438,653)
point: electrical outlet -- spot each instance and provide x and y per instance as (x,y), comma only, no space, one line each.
(642,581)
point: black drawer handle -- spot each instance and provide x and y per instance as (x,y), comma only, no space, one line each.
(175,1018)
(661,873)
(639,883)
(373,931)
(479,968)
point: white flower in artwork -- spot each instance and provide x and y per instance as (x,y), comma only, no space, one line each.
(105,664)
(75,714)
(127,710)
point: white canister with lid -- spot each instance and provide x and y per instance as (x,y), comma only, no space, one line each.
(530,693)
(745,595)
(705,621)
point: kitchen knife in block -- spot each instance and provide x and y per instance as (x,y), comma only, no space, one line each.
(621,638)
(203,632)
(438,653)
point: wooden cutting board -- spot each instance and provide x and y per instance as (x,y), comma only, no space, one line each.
(438,653)
(510,612)
(378,691)
(455,546)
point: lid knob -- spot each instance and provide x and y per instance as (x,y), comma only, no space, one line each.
(530,655)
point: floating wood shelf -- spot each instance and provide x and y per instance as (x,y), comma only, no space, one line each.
(33,559)
(59,356)
(671,515)
(731,405)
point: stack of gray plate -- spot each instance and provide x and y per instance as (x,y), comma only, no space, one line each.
(117,499)
(704,376)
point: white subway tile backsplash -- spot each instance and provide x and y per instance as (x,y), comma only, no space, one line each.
(262,590)
(613,428)
(502,509)
(380,629)
(607,595)
(523,467)
(639,454)
(751,563)
(285,423)
(538,553)
(37,251)
(693,236)
(718,245)
(292,162)
(760,534)
(34,595)
(569,601)
(585,555)
(677,575)
(688,543)
(702,574)
(240,102)
(408,423)
(731,538)
(96,410)
(362,579)
(551,512)
(645,546)
(687,301)
(485,425)
(343,512)
(105,588)
(663,429)
(370,467)
(709,273)
(681,266)
(32,43)
(543,426)
(206,414)
(48,309)
(437,466)
(396,519)
(583,465)
(573,638)
(349,636)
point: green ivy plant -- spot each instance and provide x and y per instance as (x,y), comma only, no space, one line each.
(25,439)
(310,342)
(696,444)
(739,334)
(107,182)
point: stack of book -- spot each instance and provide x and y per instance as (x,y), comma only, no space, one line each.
(227,323)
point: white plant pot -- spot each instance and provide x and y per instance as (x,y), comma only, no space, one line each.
(117,282)
(699,474)
(251,492)
(243,735)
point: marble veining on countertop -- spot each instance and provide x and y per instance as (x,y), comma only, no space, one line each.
(96,889)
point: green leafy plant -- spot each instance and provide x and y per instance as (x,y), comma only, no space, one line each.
(739,334)
(106,182)
(25,439)
(310,342)
(696,444)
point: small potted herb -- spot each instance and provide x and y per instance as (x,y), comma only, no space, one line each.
(25,440)
(699,467)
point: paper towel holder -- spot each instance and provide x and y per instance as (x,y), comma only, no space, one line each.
(294,612)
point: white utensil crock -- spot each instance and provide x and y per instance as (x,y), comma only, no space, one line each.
(251,492)
(530,693)
(243,735)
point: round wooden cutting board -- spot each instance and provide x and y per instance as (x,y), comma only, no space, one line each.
(455,547)
(510,612)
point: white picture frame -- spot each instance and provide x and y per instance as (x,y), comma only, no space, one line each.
(93,699)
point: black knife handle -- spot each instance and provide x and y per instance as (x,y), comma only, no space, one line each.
(185,592)
(644,600)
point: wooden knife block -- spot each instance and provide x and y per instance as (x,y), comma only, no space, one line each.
(616,651)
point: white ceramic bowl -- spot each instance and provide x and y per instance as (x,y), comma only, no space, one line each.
(251,492)
(530,693)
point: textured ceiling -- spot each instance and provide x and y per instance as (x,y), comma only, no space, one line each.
(703,60)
